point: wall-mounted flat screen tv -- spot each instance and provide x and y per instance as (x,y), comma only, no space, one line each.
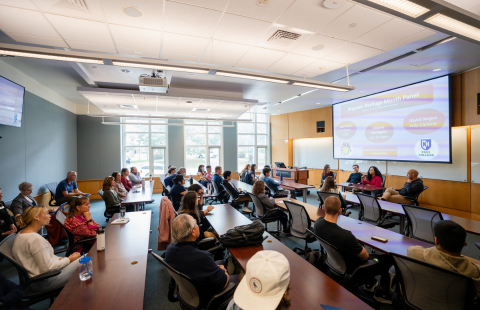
(11,103)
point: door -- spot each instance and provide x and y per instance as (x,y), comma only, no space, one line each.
(158,161)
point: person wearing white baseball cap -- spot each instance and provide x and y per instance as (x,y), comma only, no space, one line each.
(265,284)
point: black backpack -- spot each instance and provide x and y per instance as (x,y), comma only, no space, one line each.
(246,235)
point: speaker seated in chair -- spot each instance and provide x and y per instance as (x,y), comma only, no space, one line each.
(237,198)
(272,185)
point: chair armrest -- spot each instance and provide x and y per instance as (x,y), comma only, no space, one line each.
(228,290)
(206,243)
(86,240)
(41,277)
(364,266)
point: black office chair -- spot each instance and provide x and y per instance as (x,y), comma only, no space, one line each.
(234,203)
(414,199)
(420,222)
(188,294)
(29,297)
(276,194)
(60,217)
(52,187)
(299,224)
(324,195)
(260,212)
(8,206)
(109,210)
(372,213)
(424,286)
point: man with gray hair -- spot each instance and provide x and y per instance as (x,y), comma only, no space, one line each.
(169,180)
(67,189)
(208,276)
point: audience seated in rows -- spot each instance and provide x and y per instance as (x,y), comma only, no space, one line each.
(171,170)
(169,180)
(326,173)
(250,176)
(208,174)
(353,252)
(259,190)
(330,187)
(119,187)
(356,176)
(189,205)
(209,276)
(411,188)
(125,180)
(110,195)
(447,252)
(80,223)
(265,284)
(244,172)
(239,198)
(274,184)
(135,176)
(7,225)
(67,189)
(35,254)
(217,178)
(24,199)
(373,178)
(197,188)
(177,191)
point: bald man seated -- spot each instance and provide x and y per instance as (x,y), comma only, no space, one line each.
(411,188)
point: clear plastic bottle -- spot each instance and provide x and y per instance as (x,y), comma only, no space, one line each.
(289,196)
(85,270)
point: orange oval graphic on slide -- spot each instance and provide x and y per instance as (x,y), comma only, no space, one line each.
(346,130)
(379,132)
(424,121)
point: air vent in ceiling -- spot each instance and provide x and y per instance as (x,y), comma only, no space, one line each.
(284,38)
(126,106)
(200,110)
(262,103)
(79,5)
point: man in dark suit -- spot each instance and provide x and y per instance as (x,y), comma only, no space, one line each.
(24,199)
(238,197)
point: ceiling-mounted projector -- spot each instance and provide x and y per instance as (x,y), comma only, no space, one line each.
(153,84)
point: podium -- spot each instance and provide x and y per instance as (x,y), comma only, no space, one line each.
(294,175)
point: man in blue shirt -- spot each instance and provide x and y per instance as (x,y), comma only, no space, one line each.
(67,189)
(217,178)
(279,193)
(169,180)
(355,177)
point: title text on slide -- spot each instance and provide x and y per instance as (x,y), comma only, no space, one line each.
(385,101)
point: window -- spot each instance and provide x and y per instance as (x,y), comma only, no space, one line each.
(144,145)
(203,143)
(253,141)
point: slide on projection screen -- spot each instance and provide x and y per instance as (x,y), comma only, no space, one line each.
(410,123)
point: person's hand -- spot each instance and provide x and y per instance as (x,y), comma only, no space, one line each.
(87,215)
(74,256)
(409,181)
(210,208)
(239,189)
(13,227)
(222,267)
(7,233)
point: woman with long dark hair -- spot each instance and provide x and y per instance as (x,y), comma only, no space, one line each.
(373,178)
(330,187)
(201,174)
(326,173)
(250,176)
(189,205)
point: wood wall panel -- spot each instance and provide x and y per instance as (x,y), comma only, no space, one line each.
(475,193)
(470,88)
(91,186)
(456,93)
(315,177)
(279,127)
(303,124)
(280,151)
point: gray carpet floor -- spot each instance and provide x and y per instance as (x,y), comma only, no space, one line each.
(157,278)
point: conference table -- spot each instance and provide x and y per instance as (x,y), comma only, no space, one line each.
(361,187)
(119,272)
(139,194)
(309,287)
(295,186)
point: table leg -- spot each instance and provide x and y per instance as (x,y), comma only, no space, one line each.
(305,195)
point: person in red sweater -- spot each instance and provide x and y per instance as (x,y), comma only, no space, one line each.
(125,180)
(80,223)
(373,178)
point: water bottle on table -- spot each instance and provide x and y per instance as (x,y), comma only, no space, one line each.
(289,196)
(85,271)
(123,210)
(100,239)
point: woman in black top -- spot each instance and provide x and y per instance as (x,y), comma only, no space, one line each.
(177,191)
(326,173)
(250,176)
(189,206)
(7,225)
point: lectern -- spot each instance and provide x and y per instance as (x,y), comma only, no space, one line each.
(295,175)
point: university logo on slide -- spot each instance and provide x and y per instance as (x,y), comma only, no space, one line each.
(426,144)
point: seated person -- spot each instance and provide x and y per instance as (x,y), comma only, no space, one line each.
(269,267)
(447,252)
(279,193)
(80,223)
(218,180)
(125,180)
(329,187)
(110,195)
(356,176)
(208,174)
(259,190)
(326,173)
(119,187)
(7,226)
(67,189)
(169,180)
(177,191)
(10,294)
(244,172)
(208,276)
(189,205)
(201,175)
(373,178)
(261,176)
(238,196)
(411,188)
(35,254)
(353,253)
(171,169)
(135,176)
(24,199)
(250,176)
(200,192)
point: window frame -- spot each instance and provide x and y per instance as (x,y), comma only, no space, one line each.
(256,146)
(207,145)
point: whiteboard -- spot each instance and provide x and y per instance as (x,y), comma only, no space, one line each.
(346,165)
(314,153)
(475,160)
(456,171)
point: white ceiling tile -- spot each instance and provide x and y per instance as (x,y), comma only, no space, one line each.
(218,5)
(416,37)
(25,22)
(136,38)
(92,47)
(181,44)
(239,29)
(139,53)
(217,62)
(330,45)
(365,19)
(280,70)
(310,15)
(293,62)
(352,53)
(81,30)
(389,33)
(93,10)
(190,20)
(270,12)
(37,40)
(265,57)
(476,10)
(464,4)
(313,69)
(252,66)
(179,57)
(151,11)
(23,4)
(225,50)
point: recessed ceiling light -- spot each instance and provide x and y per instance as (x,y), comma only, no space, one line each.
(125,71)
(362,91)
(321,68)
(51,57)
(403,6)
(352,25)
(454,25)
(132,11)
(318,103)
(437,69)
(317,47)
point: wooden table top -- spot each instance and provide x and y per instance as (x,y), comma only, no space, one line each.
(143,195)
(116,282)
(244,186)
(292,185)
(309,287)
(360,186)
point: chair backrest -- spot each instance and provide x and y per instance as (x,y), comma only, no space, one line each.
(8,204)
(187,292)
(229,194)
(425,286)
(335,176)
(6,250)
(61,207)
(52,187)
(324,195)
(421,222)
(299,219)
(215,188)
(60,217)
(384,178)
(258,207)
(335,260)
(270,188)
(371,208)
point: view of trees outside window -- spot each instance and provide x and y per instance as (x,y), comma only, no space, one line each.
(203,143)
(253,140)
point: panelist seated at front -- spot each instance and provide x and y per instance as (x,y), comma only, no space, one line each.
(67,189)
(356,176)
(411,188)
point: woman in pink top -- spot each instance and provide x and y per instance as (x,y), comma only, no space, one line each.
(80,223)
(373,178)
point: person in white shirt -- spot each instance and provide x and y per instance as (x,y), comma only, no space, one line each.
(135,176)
(35,253)
(24,199)
(262,175)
